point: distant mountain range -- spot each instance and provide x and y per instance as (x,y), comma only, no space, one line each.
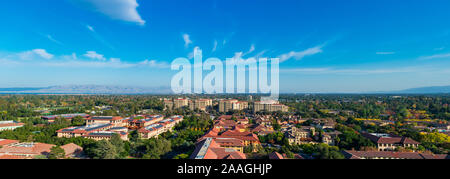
(426,90)
(87,89)
(104,89)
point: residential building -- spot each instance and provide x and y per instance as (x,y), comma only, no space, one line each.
(13,149)
(106,135)
(140,121)
(200,104)
(52,118)
(227,105)
(232,104)
(208,148)
(10,125)
(297,136)
(154,130)
(81,131)
(389,142)
(116,121)
(179,103)
(272,106)
(168,104)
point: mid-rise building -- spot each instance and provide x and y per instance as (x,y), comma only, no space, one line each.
(272,106)
(154,130)
(209,148)
(10,125)
(140,121)
(116,121)
(389,142)
(201,104)
(232,104)
(299,136)
(52,118)
(106,135)
(179,103)
(81,131)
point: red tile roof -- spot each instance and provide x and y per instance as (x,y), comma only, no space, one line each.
(275,155)
(72,149)
(390,140)
(31,149)
(7,141)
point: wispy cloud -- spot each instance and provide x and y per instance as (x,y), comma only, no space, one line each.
(41,58)
(252,49)
(352,71)
(187,40)
(94,55)
(125,10)
(438,56)
(98,37)
(34,54)
(439,49)
(90,28)
(215,46)
(385,53)
(298,55)
(49,37)
(154,63)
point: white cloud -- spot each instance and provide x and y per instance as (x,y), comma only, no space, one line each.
(94,55)
(154,63)
(353,71)
(36,53)
(446,55)
(38,57)
(252,49)
(215,46)
(301,54)
(187,40)
(74,56)
(440,48)
(125,10)
(43,53)
(90,28)
(385,53)
(53,39)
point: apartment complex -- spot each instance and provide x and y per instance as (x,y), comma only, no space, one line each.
(209,148)
(269,107)
(232,104)
(175,103)
(10,125)
(297,136)
(52,118)
(81,131)
(106,135)
(116,121)
(97,128)
(201,104)
(154,130)
(388,142)
(140,121)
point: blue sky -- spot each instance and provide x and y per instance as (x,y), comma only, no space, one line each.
(325,45)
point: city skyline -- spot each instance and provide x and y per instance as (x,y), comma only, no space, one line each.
(324,46)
